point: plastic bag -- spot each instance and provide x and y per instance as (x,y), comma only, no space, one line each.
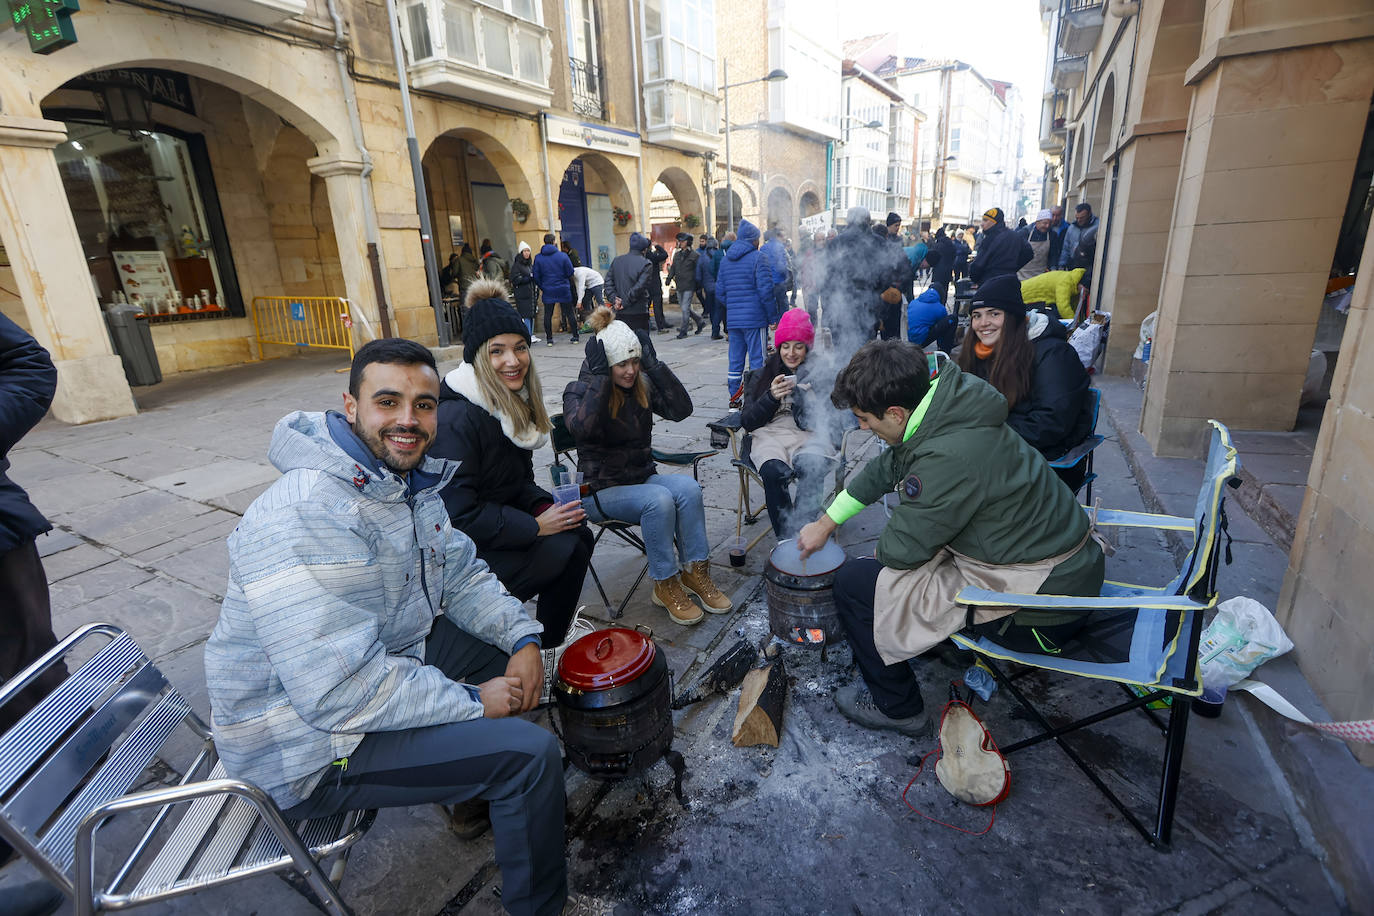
(1242,636)
(1085,341)
(1147,332)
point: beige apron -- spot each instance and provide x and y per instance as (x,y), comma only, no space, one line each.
(1039,262)
(782,440)
(914,609)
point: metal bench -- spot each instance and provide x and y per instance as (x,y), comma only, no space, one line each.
(70,766)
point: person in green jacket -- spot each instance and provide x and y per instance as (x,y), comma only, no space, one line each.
(976,506)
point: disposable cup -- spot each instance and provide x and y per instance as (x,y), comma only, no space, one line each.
(738,547)
(566,493)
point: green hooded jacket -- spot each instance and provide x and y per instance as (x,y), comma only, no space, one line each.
(981,490)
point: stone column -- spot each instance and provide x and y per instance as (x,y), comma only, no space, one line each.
(45,252)
(1272,141)
(343,183)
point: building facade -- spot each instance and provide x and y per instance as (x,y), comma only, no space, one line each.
(780,145)
(1227,147)
(216,153)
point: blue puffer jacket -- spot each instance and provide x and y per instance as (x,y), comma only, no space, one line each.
(553,271)
(744,285)
(336,574)
(27,383)
(921,313)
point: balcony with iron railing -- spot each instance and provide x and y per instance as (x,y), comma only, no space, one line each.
(496,51)
(681,116)
(588,83)
(1080,25)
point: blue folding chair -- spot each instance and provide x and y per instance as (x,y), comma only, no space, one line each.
(1145,638)
(1082,453)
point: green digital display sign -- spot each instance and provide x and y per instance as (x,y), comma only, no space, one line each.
(48,23)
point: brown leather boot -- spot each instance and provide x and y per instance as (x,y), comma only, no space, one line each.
(668,594)
(697,580)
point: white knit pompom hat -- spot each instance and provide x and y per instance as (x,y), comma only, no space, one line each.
(616,337)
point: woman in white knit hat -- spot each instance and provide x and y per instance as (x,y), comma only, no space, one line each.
(610,411)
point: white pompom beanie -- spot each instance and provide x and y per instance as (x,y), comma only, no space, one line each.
(616,337)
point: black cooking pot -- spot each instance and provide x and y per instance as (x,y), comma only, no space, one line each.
(801,606)
(614,696)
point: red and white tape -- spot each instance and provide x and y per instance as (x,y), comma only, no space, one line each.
(1361,730)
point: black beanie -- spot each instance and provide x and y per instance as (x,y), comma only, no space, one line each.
(1003,293)
(486,319)
(893,219)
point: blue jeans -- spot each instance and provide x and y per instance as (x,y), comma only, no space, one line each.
(743,342)
(668,510)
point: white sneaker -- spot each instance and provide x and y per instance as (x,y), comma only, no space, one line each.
(576,630)
(534,340)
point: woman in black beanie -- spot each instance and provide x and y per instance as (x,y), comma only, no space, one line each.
(1028,359)
(491,419)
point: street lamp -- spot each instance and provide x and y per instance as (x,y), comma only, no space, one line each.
(774,76)
(834,197)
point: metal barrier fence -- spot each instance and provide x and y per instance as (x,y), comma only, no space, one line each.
(304,321)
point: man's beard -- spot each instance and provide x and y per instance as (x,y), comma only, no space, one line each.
(376,442)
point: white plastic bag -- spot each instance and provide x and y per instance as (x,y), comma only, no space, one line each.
(1243,636)
(1085,341)
(1147,331)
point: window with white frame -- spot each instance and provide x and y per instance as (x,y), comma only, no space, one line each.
(504,36)
(680,64)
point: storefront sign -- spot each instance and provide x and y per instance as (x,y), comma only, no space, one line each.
(144,274)
(47,22)
(161,86)
(591,136)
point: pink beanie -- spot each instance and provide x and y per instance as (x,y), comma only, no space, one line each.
(795,325)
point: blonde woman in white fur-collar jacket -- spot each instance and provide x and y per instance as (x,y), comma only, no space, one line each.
(491,420)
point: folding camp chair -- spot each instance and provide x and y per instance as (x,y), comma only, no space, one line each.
(1142,637)
(565,450)
(68,766)
(729,430)
(1082,453)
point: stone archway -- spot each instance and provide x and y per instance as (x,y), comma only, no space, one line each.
(780,214)
(684,193)
(808,200)
(60,304)
(474,185)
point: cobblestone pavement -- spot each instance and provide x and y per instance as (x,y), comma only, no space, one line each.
(142,507)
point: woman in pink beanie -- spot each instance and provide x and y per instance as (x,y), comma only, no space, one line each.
(792,436)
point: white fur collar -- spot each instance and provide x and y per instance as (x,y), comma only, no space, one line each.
(1036,323)
(464,381)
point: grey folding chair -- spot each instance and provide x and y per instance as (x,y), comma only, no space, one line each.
(68,766)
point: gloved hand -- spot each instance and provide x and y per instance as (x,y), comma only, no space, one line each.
(892,295)
(596,357)
(648,358)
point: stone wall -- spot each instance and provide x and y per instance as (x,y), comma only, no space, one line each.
(1324,605)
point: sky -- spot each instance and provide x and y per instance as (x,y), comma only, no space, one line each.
(1001,38)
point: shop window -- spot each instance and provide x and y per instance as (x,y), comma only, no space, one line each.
(149,221)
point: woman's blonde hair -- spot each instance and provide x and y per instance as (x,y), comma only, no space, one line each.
(525,407)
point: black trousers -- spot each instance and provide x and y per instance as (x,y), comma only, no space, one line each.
(894,687)
(512,763)
(569,318)
(891,318)
(809,473)
(656,300)
(553,568)
(25,628)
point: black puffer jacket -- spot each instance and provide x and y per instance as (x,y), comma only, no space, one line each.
(27,383)
(493,497)
(628,280)
(1002,251)
(522,287)
(941,258)
(619,452)
(760,407)
(1057,414)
